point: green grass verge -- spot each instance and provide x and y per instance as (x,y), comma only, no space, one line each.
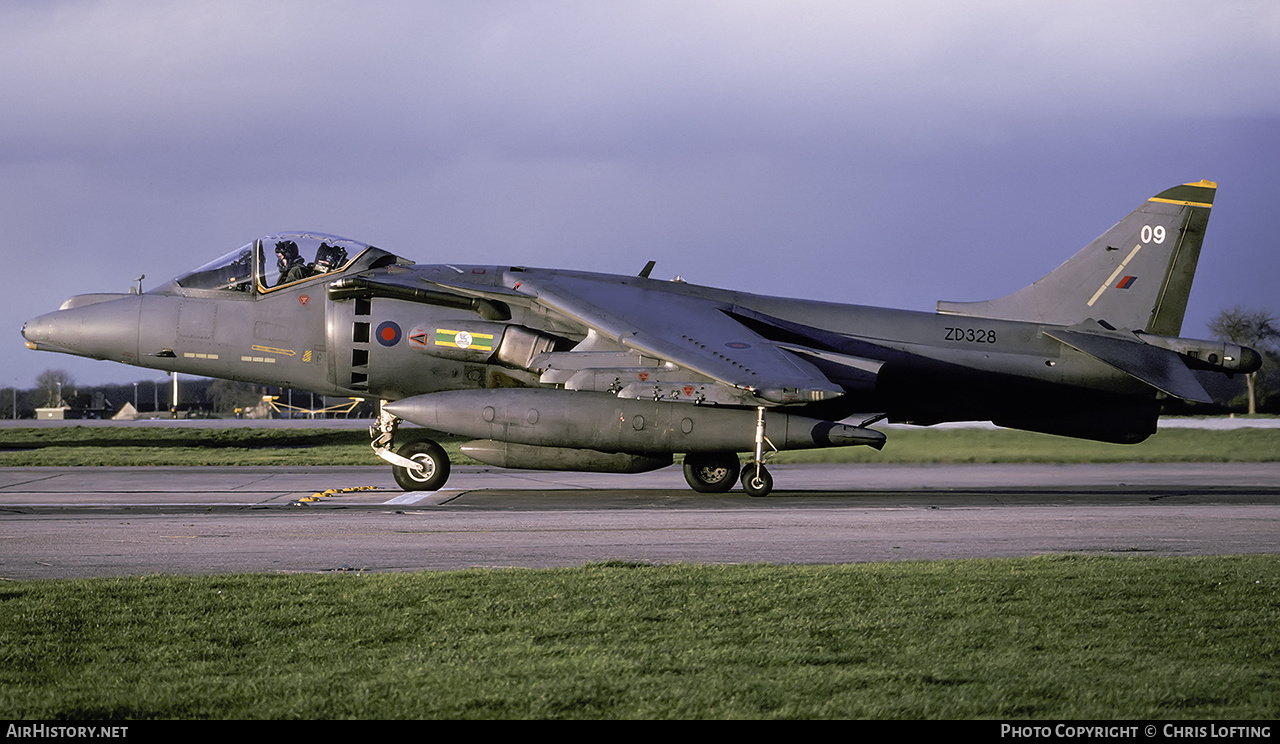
(105,445)
(1048,638)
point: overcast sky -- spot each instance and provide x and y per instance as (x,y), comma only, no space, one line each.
(885,153)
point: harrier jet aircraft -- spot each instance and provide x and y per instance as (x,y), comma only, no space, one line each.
(566,370)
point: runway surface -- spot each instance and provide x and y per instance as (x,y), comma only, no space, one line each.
(90,522)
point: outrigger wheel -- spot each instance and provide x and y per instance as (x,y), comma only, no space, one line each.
(756,480)
(434,462)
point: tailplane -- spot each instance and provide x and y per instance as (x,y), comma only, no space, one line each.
(1136,276)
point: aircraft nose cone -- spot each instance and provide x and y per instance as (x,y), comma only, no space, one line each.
(41,332)
(106,329)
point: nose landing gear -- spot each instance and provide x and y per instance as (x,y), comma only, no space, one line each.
(420,465)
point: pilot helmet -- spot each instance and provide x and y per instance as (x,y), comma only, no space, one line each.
(287,251)
(330,257)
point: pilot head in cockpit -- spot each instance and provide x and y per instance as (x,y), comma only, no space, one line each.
(290,263)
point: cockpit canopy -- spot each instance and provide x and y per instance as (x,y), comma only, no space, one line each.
(283,259)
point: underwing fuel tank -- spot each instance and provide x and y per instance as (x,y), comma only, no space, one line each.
(535,457)
(606,423)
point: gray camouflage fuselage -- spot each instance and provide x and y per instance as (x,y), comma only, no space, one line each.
(568,361)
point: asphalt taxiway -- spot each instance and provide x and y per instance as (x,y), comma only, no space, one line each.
(88,522)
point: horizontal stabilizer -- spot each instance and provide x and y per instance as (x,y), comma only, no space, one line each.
(1160,368)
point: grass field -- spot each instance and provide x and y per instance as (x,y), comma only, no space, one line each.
(134,446)
(1048,638)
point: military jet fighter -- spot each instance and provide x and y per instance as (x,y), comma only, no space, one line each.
(566,370)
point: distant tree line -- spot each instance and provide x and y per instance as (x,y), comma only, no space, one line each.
(197,396)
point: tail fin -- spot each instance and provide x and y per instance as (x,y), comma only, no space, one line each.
(1136,276)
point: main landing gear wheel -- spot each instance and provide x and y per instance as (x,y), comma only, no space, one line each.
(756,480)
(712,472)
(435,466)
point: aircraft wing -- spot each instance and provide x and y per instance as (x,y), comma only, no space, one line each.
(690,332)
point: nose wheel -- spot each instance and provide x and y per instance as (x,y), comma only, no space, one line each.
(432,466)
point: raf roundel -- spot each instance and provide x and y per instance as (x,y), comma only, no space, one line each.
(388,333)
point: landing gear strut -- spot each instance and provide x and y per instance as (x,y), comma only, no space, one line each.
(420,465)
(755,478)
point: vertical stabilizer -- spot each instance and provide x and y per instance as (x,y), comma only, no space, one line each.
(1136,276)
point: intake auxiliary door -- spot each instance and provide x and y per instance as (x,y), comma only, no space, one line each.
(349,334)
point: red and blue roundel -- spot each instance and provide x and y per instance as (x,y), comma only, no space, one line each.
(388,333)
